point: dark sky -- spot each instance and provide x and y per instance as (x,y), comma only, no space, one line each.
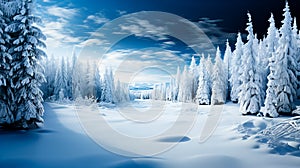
(232,12)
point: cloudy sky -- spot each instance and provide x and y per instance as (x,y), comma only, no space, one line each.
(145,46)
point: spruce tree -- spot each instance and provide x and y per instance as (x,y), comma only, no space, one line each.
(285,67)
(218,80)
(227,64)
(194,76)
(6,115)
(203,95)
(236,70)
(25,98)
(250,97)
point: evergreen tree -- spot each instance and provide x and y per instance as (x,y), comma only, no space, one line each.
(272,38)
(108,87)
(227,64)
(185,88)
(263,61)
(89,81)
(69,78)
(176,85)
(61,79)
(50,67)
(285,80)
(295,42)
(209,68)
(203,95)
(194,77)
(218,81)
(98,83)
(271,100)
(6,115)
(25,98)
(236,70)
(250,97)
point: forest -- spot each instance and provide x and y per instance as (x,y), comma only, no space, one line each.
(262,75)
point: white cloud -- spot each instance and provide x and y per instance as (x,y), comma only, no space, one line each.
(90,42)
(121,12)
(128,63)
(96,19)
(96,34)
(169,42)
(61,12)
(56,33)
(143,28)
(46,0)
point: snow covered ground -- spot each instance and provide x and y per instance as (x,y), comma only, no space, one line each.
(237,142)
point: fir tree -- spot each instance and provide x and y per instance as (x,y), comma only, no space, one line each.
(185,88)
(218,81)
(227,64)
(194,77)
(203,95)
(285,67)
(25,98)
(6,115)
(236,71)
(250,97)
(61,79)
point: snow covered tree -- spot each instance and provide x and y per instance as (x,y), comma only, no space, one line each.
(69,78)
(227,64)
(272,37)
(209,68)
(6,115)
(176,85)
(98,82)
(263,61)
(76,77)
(122,93)
(89,81)
(50,70)
(236,70)
(203,93)
(270,109)
(185,88)
(296,46)
(108,87)
(25,98)
(218,81)
(285,80)
(61,79)
(250,97)
(194,76)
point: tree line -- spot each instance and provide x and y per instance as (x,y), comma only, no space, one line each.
(72,78)
(262,75)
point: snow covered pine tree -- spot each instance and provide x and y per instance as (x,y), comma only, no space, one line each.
(203,93)
(219,81)
(250,97)
(6,115)
(25,97)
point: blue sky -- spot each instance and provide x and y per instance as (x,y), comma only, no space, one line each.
(71,25)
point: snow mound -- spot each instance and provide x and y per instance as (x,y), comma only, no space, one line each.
(252,127)
(282,137)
